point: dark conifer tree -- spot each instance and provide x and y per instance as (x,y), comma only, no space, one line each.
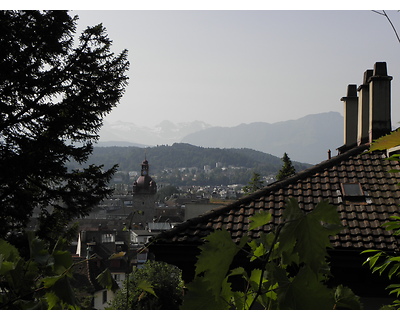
(53,97)
(287,168)
(255,183)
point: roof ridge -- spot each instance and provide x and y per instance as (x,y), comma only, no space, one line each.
(259,193)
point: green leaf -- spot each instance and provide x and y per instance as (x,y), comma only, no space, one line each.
(51,281)
(386,142)
(62,261)
(63,290)
(346,299)
(239,300)
(255,279)
(394,259)
(146,286)
(59,290)
(8,251)
(210,289)
(5,266)
(200,296)
(381,268)
(308,235)
(51,299)
(305,292)
(215,258)
(258,251)
(39,252)
(373,259)
(393,270)
(260,219)
(391,225)
(394,157)
(396,289)
(370,251)
(106,280)
(238,272)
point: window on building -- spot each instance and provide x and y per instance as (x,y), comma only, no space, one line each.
(353,192)
(107,237)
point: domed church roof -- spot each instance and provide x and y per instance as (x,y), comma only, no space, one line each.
(144,184)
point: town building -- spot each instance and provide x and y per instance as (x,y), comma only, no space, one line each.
(115,236)
(358,183)
(143,196)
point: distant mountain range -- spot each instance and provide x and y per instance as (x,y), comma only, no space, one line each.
(124,134)
(305,140)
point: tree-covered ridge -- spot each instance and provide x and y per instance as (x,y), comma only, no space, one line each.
(182,155)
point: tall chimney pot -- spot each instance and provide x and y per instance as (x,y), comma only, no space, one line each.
(363,108)
(350,115)
(380,122)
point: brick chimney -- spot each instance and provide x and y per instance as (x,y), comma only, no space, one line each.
(379,102)
(363,109)
(367,116)
(350,116)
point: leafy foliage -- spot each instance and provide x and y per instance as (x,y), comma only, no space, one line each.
(380,261)
(157,285)
(106,280)
(53,96)
(290,268)
(386,142)
(387,263)
(41,282)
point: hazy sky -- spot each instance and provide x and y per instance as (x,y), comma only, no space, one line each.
(231,67)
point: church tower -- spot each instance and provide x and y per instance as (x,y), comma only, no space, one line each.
(144,192)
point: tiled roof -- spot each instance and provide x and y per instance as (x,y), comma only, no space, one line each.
(362,217)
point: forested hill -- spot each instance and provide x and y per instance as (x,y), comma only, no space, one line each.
(182,155)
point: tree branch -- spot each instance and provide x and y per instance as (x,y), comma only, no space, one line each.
(383,13)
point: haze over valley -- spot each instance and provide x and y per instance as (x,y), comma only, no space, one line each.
(306,139)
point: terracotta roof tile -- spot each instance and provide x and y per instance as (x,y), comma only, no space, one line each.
(362,218)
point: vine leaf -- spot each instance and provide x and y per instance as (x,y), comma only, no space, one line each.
(210,288)
(215,258)
(62,261)
(106,280)
(52,299)
(59,291)
(39,252)
(306,292)
(346,299)
(146,286)
(386,142)
(201,297)
(308,234)
(259,219)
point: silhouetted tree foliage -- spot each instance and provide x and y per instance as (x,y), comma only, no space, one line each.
(255,183)
(53,97)
(287,168)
